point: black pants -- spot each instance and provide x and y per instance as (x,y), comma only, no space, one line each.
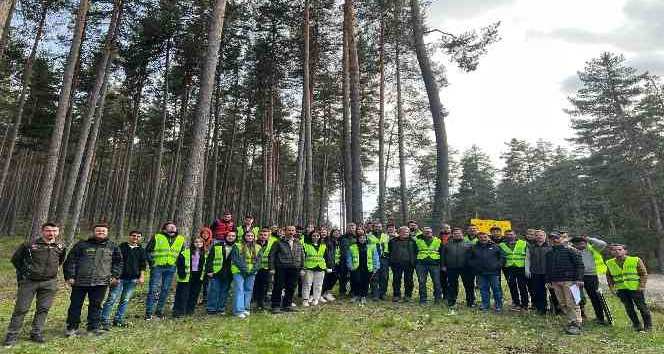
(95,296)
(329,281)
(205,286)
(539,291)
(360,282)
(195,285)
(443,282)
(260,287)
(344,276)
(630,298)
(398,272)
(468,279)
(285,279)
(181,299)
(591,285)
(516,281)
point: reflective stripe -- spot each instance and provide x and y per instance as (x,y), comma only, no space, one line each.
(314,258)
(165,254)
(337,254)
(431,251)
(186,254)
(355,254)
(626,277)
(515,257)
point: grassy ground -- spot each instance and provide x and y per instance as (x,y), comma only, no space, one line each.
(340,327)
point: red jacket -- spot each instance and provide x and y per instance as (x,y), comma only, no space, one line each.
(220,228)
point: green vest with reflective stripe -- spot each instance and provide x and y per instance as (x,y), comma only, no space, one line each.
(314,258)
(627,277)
(355,254)
(265,260)
(165,254)
(248,261)
(239,231)
(186,254)
(600,266)
(430,251)
(515,257)
(383,241)
(337,254)
(218,261)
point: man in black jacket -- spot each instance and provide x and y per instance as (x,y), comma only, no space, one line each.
(487,259)
(343,273)
(402,254)
(564,274)
(36,264)
(286,263)
(455,261)
(90,267)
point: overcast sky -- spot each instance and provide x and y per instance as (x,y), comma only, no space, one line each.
(521,86)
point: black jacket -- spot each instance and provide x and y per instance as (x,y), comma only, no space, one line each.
(93,262)
(486,258)
(456,254)
(402,252)
(564,264)
(134,261)
(536,257)
(282,256)
(38,260)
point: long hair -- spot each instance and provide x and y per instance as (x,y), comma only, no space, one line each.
(249,246)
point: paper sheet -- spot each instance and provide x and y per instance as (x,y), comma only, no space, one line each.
(576,292)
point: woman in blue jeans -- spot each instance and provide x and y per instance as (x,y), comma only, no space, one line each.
(245,262)
(133,273)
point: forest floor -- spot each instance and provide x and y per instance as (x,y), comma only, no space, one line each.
(338,327)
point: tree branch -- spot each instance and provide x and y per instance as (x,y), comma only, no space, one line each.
(441,32)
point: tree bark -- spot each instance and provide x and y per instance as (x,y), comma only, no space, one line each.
(91,105)
(382,185)
(194,161)
(356,143)
(308,142)
(7,8)
(346,145)
(45,191)
(441,198)
(268,155)
(403,185)
(26,83)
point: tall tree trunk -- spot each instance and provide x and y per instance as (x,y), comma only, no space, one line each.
(195,159)
(356,143)
(156,182)
(308,141)
(403,185)
(322,210)
(382,185)
(659,224)
(268,155)
(301,167)
(91,105)
(212,212)
(346,145)
(441,198)
(25,89)
(88,162)
(46,189)
(7,8)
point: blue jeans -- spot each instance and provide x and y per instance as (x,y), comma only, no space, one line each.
(423,272)
(490,281)
(244,285)
(124,289)
(160,280)
(218,294)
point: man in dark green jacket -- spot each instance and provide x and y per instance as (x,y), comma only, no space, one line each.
(402,254)
(90,267)
(37,265)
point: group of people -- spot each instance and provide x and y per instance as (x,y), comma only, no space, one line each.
(265,265)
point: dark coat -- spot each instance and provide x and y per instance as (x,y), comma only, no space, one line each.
(38,260)
(564,264)
(93,262)
(486,258)
(282,256)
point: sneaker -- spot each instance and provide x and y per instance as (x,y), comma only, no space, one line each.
(37,338)
(321,299)
(241,315)
(160,315)
(573,330)
(96,332)
(498,310)
(246,313)
(147,317)
(329,297)
(71,332)
(293,305)
(305,303)
(363,300)
(105,326)
(315,302)
(10,340)
(275,311)
(396,299)
(354,299)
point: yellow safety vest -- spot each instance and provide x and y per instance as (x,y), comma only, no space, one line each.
(515,257)
(355,254)
(165,254)
(627,277)
(431,251)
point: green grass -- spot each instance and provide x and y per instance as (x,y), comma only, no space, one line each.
(340,327)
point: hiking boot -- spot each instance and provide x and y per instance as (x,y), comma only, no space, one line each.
(37,338)
(10,340)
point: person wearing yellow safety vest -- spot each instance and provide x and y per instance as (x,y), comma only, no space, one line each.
(334,252)
(190,273)
(162,252)
(218,270)
(245,261)
(429,249)
(363,261)
(627,277)
(380,239)
(262,281)
(593,263)
(514,270)
(316,264)
(383,276)
(246,227)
